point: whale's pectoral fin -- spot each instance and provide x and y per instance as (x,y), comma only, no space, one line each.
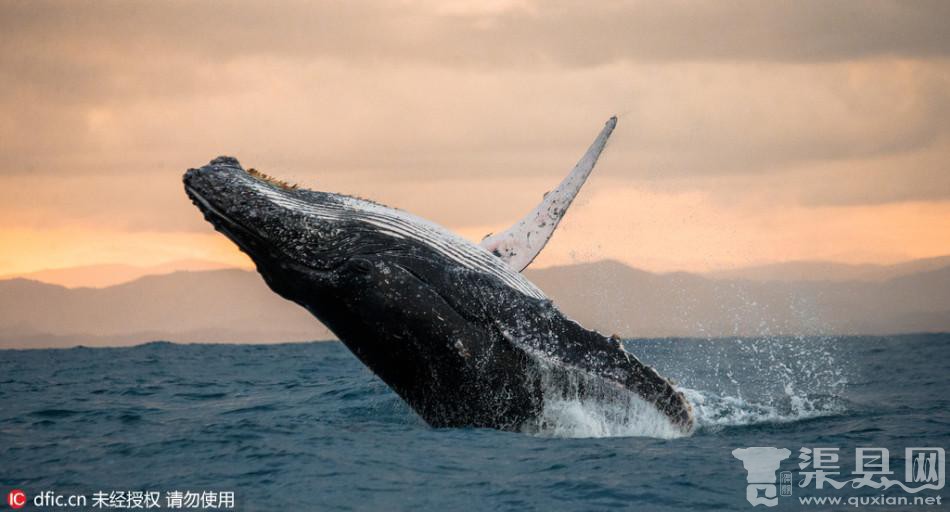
(521,243)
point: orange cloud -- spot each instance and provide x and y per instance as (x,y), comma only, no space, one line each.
(27,250)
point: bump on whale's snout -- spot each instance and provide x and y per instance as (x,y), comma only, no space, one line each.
(220,165)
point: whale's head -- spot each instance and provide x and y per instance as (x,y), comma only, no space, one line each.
(298,239)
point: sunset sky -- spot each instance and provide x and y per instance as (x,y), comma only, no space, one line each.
(749,132)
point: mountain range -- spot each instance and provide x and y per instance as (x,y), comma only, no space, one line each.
(109,274)
(831,271)
(232,305)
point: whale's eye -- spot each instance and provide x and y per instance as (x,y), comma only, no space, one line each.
(360,266)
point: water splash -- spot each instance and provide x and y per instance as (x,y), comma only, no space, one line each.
(578,404)
(747,381)
(584,418)
(730,382)
(714,412)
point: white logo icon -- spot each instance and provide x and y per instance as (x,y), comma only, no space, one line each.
(761,463)
(926,466)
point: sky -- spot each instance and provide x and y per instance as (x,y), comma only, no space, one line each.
(749,132)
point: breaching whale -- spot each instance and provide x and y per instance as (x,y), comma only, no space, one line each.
(452,327)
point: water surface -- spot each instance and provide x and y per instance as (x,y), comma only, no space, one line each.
(307,427)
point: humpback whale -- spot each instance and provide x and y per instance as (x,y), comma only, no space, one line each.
(452,327)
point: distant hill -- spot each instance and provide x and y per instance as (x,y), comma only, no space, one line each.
(830,271)
(615,298)
(109,274)
(236,306)
(208,306)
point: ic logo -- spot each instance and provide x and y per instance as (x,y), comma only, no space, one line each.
(16,498)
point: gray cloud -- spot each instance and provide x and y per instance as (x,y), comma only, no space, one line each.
(559,32)
(811,102)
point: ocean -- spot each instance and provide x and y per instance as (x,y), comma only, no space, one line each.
(307,427)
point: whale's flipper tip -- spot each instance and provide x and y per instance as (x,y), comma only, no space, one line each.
(521,243)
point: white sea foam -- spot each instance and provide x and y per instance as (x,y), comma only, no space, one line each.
(579,404)
(582,418)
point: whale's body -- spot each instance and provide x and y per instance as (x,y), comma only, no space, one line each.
(452,327)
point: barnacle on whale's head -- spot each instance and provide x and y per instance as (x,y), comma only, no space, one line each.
(272,180)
